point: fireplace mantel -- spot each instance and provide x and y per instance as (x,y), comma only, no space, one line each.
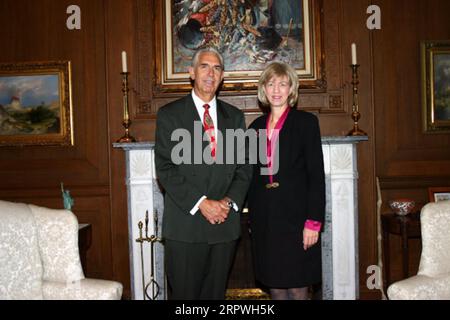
(339,239)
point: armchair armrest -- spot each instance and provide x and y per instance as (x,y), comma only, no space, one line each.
(421,287)
(85,289)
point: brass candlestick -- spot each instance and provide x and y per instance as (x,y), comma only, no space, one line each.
(356,131)
(126,113)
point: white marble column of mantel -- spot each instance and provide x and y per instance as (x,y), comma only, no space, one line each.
(340,236)
(143,195)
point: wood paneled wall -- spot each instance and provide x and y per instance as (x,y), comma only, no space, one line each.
(36,31)
(406,160)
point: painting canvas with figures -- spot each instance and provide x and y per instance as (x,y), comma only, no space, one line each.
(249,33)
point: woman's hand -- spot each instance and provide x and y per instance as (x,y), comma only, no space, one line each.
(309,238)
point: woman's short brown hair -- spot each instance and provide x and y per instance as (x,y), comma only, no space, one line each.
(278,69)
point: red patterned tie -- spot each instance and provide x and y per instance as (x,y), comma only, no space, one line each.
(208,124)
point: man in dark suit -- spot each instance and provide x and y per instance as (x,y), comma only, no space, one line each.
(201,222)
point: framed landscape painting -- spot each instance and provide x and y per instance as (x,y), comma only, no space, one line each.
(35,104)
(249,35)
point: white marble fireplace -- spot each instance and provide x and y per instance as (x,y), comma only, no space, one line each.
(339,240)
(340,237)
(143,195)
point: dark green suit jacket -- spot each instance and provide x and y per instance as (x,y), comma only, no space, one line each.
(186,183)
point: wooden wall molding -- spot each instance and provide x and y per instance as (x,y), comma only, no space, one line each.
(325,103)
(396,183)
(54,192)
(146,71)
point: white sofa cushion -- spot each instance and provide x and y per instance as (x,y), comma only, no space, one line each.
(421,288)
(58,244)
(20,265)
(86,289)
(39,256)
(435,222)
(433,279)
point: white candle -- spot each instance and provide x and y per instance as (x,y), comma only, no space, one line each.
(354,54)
(124,61)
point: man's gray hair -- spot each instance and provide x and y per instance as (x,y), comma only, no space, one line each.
(208,49)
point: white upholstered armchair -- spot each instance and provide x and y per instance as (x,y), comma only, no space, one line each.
(433,279)
(39,257)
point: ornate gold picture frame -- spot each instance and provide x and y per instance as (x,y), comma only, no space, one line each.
(248,36)
(435,61)
(36,104)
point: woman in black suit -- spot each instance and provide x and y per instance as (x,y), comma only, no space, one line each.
(287,206)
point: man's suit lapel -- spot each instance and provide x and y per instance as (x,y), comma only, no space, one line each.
(223,123)
(190,114)
(214,173)
(203,171)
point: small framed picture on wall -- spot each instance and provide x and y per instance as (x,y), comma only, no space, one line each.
(436,194)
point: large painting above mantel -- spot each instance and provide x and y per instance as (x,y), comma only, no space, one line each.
(249,34)
(329,94)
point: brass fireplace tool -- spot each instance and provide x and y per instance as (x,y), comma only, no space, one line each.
(356,131)
(126,112)
(152,239)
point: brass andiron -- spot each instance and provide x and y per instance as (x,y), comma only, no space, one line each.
(126,112)
(356,131)
(152,239)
